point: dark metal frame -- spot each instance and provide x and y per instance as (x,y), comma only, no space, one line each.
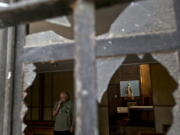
(84,52)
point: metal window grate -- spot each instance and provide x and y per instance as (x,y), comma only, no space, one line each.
(84,52)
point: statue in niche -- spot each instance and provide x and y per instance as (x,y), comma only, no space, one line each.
(129,92)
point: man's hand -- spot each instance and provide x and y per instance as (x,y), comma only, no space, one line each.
(59,104)
(55,112)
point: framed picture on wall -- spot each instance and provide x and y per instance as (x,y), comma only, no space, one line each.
(129,88)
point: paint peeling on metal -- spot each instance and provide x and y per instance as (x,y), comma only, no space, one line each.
(63,21)
(23,113)
(45,38)
(9,75)
(106,67)
(29,75)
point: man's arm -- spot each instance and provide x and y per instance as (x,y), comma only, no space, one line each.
(57,108)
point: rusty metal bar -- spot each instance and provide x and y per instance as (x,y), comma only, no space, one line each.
(3,58)
(8,53)
(32,10)
(104,48)
(9,82)
(3,51)
(85,69)
(17,116)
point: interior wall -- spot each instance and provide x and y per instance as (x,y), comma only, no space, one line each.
(163,86)
(62,81)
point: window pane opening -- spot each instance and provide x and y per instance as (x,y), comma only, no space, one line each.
(139,99)
(44,95)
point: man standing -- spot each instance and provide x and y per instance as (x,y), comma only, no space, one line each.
(63,113)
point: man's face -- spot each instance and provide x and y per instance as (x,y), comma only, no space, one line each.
(63,97)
